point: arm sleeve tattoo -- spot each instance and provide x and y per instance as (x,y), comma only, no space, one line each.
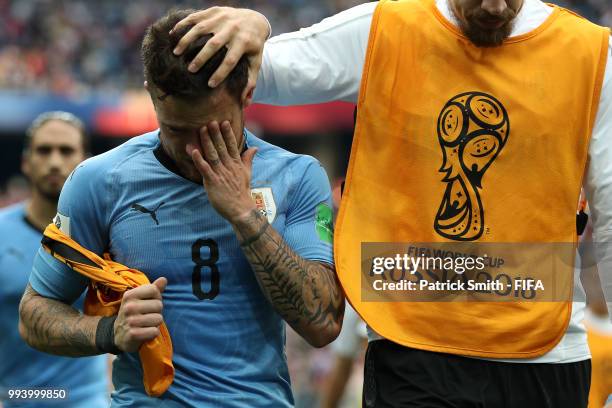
(305,293)
(57,328)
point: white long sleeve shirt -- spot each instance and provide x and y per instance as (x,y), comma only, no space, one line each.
(324,62)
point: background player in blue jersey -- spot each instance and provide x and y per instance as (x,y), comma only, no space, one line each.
(229,262)
(55,143)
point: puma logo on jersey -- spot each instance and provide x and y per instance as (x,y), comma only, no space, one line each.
(144,210)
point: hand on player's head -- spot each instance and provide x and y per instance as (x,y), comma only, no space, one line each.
(243,31)
(140,315)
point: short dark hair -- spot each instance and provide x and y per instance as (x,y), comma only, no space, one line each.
(169,72)
(61,116)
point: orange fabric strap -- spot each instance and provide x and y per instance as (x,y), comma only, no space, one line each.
(109,281)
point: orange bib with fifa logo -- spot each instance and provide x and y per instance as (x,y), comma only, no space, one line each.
(461,144)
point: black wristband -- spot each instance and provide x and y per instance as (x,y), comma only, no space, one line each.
(105,335)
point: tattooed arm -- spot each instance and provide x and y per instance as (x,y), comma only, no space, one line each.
(305,293)
(54,327)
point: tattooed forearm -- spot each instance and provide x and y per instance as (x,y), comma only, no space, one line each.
(305,293)
(54,327)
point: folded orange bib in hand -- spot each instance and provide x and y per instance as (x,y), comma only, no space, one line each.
(109,281)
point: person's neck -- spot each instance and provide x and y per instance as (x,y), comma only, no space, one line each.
(40,210)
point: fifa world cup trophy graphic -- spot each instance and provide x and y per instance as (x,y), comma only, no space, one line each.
(472,129)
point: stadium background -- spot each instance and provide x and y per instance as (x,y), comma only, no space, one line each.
(83,57)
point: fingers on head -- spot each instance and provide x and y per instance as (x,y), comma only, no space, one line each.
(214,44)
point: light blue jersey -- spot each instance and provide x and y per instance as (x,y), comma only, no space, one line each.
(22,367)
(229,343)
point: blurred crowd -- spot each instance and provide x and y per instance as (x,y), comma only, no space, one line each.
(76,46)
(599,11)
(73,46)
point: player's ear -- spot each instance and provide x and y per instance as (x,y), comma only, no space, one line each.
(146,85)
(247,98)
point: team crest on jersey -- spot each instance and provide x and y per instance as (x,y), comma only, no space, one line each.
(264,201)
(62,223)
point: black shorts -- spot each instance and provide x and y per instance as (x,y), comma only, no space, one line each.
(402,377)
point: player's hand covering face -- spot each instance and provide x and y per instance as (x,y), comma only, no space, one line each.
(225,172)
